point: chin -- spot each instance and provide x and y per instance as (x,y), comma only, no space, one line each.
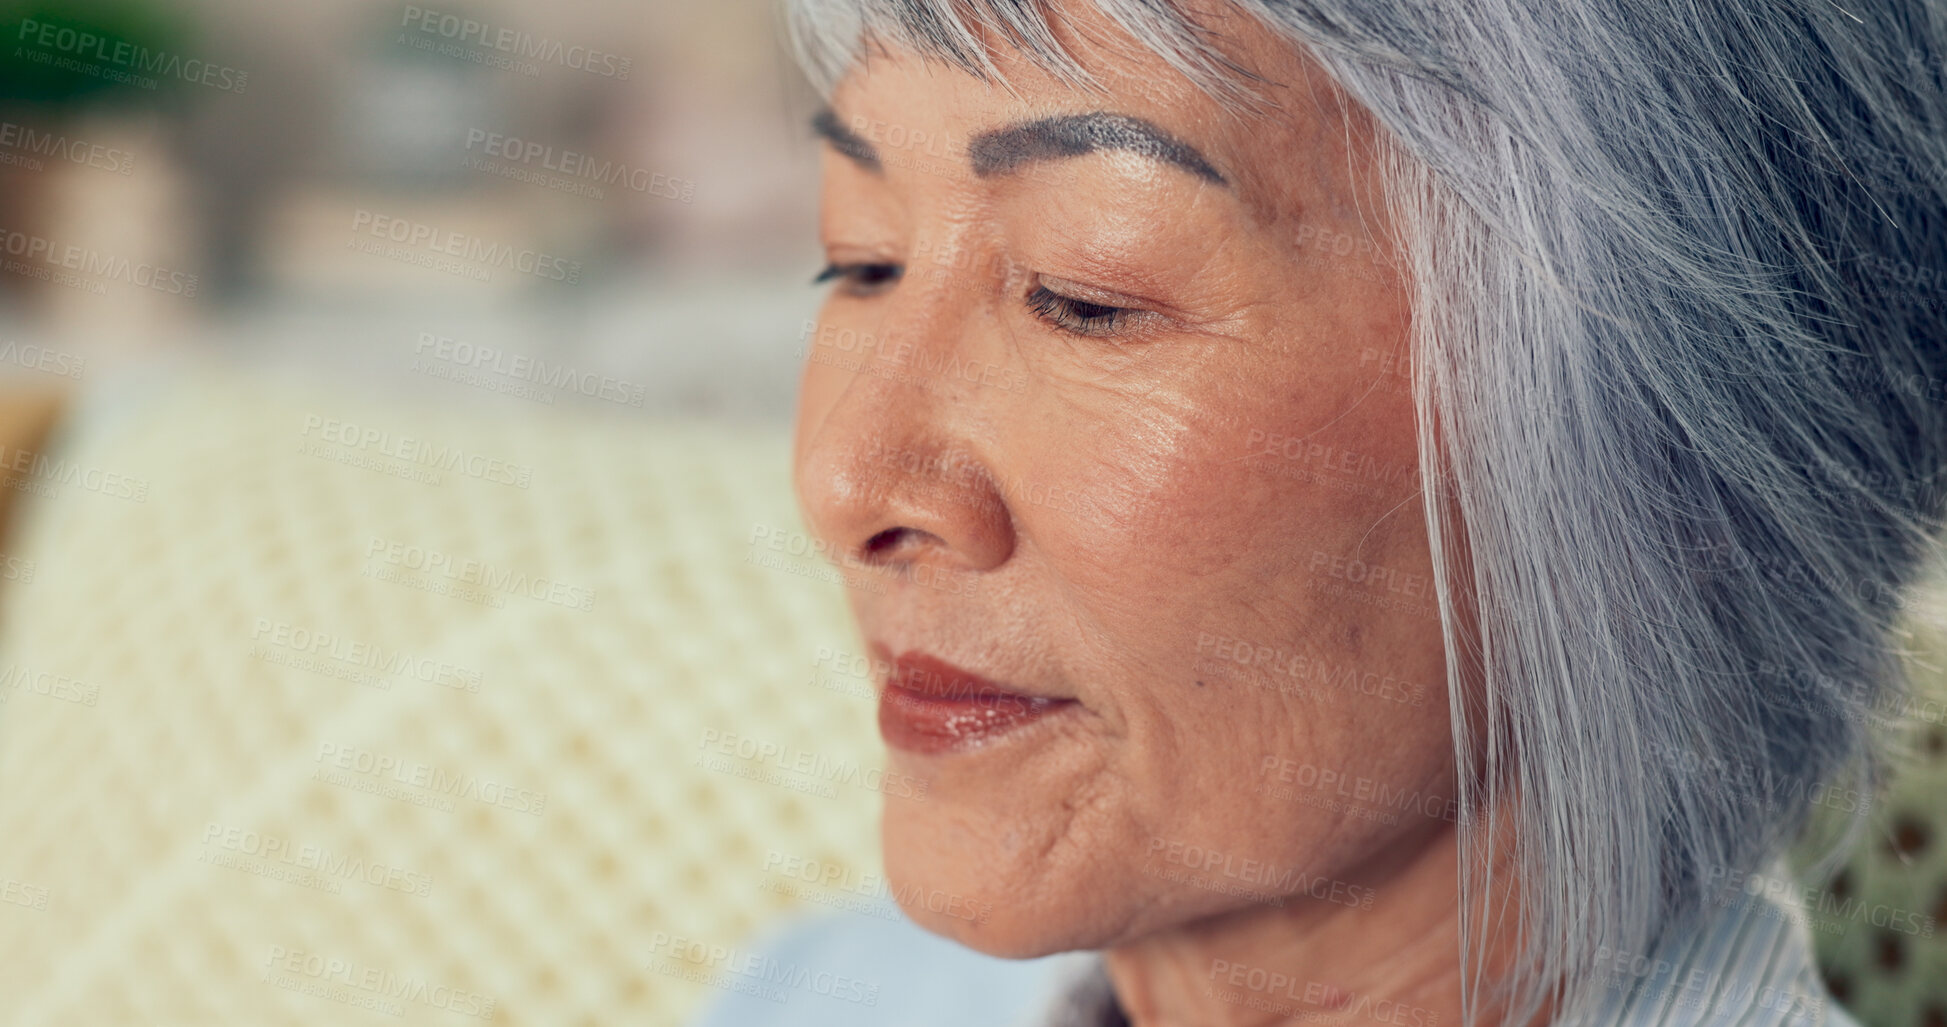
(985,886)
(1000,886)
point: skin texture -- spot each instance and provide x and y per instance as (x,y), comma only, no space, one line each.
(1204,527)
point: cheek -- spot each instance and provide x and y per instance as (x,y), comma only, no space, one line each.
(1200,560)
(1185,506)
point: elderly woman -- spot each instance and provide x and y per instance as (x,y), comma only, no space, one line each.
(1381,512)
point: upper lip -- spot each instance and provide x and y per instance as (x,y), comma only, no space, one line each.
(930,676)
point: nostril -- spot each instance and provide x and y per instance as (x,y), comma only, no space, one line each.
(879,546)
(897,543)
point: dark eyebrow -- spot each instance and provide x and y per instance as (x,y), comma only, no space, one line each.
(1072,135)
(826,124)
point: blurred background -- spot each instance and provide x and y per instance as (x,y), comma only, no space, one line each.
(403,608)
(623,188)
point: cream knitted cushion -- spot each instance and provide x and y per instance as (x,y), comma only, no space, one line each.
(292,733)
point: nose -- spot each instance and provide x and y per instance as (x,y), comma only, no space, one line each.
(890,477)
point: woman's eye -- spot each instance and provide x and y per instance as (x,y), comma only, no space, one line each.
(861,279)
(1078,316)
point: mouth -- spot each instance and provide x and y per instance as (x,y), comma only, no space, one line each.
(931,706)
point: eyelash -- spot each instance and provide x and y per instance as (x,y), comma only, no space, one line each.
(861,279)
(1067,313)
(1078,316)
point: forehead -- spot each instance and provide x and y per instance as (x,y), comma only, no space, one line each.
(1296,144)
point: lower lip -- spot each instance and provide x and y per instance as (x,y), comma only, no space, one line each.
(915,721)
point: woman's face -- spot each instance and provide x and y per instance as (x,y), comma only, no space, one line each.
(1112,412)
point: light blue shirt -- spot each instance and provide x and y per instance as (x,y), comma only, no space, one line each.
(1750,965)
(879,969)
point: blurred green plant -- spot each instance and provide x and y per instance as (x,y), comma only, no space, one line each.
(35,77)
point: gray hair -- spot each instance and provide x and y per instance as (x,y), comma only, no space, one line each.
(1678,359)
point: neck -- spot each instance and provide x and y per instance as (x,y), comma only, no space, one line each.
(1311,961)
